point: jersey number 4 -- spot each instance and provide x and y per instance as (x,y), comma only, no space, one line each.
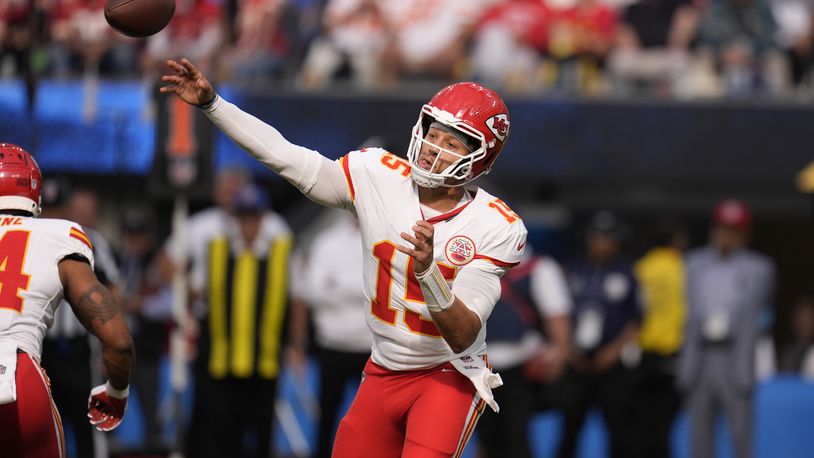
(13,247)
(380,306)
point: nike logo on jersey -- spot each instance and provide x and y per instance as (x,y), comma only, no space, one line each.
(521,245)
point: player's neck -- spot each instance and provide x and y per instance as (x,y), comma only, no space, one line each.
(442,199)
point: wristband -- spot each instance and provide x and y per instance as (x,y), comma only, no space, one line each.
(114,393)
(208,105)
(437,294)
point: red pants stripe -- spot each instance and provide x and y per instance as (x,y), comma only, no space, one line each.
(473,417)
(30,427)
(413,414)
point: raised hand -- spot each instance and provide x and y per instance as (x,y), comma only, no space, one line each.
(188,83)
(422,241)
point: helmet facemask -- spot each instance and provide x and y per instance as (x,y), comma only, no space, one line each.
(459,172)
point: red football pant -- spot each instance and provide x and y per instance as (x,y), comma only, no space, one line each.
(412,414)
(30,427)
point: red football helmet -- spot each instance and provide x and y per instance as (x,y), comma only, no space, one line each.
(469,108)
(20,180)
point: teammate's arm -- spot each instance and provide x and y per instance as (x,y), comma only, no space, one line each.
(316,176)
(99,312)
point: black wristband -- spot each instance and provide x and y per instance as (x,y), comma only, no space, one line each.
(208,104)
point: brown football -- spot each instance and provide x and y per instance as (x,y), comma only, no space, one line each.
(139,18)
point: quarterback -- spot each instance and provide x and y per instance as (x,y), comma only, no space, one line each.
(42,261)
(435,249)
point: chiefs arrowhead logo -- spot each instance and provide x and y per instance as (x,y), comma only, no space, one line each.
(499,125)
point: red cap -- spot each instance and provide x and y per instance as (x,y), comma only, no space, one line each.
(732,213)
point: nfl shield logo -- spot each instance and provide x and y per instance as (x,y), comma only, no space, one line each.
(2,369)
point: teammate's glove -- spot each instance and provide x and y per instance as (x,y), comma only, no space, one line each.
(106,406)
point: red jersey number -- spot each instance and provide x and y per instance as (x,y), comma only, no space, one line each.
(380,306)
(13,248)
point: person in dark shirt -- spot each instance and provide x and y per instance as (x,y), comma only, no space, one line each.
(652,49)
(605,319)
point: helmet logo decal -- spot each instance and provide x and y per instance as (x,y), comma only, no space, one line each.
(460,250)
(499,125)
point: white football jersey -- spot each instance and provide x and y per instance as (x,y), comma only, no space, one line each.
(483,234)
(30,287)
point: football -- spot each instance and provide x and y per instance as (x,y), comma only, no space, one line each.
(139,18)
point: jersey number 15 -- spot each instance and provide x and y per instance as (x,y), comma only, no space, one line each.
(380,306)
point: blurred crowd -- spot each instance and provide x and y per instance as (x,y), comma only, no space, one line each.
(638,334)
(665,48)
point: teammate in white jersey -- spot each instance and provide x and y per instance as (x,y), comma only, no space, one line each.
(42,260)
(435,251)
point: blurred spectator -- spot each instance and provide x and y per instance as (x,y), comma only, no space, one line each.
(741,34)
(148,299)
(509,44)
(795,36)
(727,286)
(535,302)
(202,226)
(196,31)
(660,273)
(329,284)
(580,38)
(260,46)
(181,255)
(798,355)
(243,280)
(652,46)
(15,36)
(72,364)
(428,38)
(21,33)
(353,35)
(606,320)
(56,190)
(84,43)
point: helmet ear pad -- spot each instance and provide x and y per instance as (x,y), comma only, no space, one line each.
(20,180)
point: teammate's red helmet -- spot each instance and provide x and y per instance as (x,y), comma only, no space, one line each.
(20,180)
(477,112)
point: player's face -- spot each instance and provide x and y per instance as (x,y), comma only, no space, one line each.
(439,150)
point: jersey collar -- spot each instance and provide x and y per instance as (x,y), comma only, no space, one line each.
(452,213)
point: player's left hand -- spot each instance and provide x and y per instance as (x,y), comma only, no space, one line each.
(422,241)
(105,409)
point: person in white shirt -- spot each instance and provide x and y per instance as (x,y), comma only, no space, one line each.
(435,250)
(328,284)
